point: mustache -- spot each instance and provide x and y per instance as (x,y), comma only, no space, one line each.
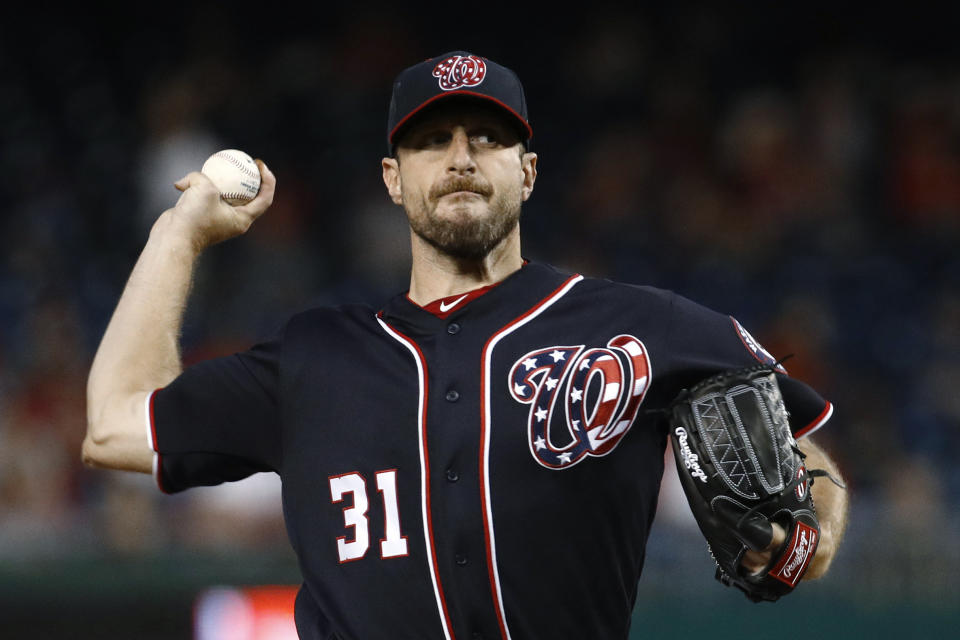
(460,183)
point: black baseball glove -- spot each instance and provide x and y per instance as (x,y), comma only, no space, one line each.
(741,470)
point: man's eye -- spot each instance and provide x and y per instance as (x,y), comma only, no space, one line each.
(483,138)
(433,139)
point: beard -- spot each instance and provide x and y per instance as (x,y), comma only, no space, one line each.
(462,234)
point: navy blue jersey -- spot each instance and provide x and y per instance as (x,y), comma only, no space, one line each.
(490,474)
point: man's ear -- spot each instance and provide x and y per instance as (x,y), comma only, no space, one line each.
(391,178)
(528,164)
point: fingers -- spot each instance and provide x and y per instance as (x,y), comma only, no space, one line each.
(189,180)
(268,182)
(779,536)
(754,531)
(756,561)
(268,185)
(218,219)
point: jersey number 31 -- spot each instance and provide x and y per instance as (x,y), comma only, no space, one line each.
(394,544)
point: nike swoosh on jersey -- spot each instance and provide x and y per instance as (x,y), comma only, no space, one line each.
(444,307)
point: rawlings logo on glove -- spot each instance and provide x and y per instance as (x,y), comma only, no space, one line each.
(689,457)
(798,555)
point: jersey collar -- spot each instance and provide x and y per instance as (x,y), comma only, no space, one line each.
(499,302)
(444,307)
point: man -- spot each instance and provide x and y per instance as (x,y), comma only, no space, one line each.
(469,461)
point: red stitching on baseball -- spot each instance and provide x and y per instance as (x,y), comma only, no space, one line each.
(238,164)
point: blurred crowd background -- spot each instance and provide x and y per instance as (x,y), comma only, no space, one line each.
(794,167)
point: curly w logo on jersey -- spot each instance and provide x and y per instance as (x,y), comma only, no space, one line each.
(460,71)
(599,389)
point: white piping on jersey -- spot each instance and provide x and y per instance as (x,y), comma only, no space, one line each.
(155,465)
(421,411)
(487,352)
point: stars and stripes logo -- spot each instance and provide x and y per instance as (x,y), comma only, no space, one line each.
(457,72)
(601,391)
(754,347)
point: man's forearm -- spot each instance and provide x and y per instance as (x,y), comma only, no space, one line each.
(139,350)
(831,503)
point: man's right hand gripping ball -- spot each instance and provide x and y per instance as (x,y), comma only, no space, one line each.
(205,219)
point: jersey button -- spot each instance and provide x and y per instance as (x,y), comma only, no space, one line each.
(461,559)
(453,328)
(476,635)
(452,475)
(453,395)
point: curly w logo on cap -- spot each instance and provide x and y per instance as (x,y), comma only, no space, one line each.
(460,71)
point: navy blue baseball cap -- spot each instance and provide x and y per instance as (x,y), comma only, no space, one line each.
(455,74)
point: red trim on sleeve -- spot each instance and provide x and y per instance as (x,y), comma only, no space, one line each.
(158,474)
(158,459)
(153,421)
(817,422)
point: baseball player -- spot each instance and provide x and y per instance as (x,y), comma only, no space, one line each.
(481,456)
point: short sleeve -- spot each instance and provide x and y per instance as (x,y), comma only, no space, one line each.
(218,421)
(705,342)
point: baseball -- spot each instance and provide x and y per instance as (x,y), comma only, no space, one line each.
(235,174)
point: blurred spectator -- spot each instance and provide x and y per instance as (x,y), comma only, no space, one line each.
(924,155)
(177,140)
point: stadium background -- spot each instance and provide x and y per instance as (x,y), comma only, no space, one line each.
(796,167)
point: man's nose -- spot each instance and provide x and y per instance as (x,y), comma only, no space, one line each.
(460,154)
